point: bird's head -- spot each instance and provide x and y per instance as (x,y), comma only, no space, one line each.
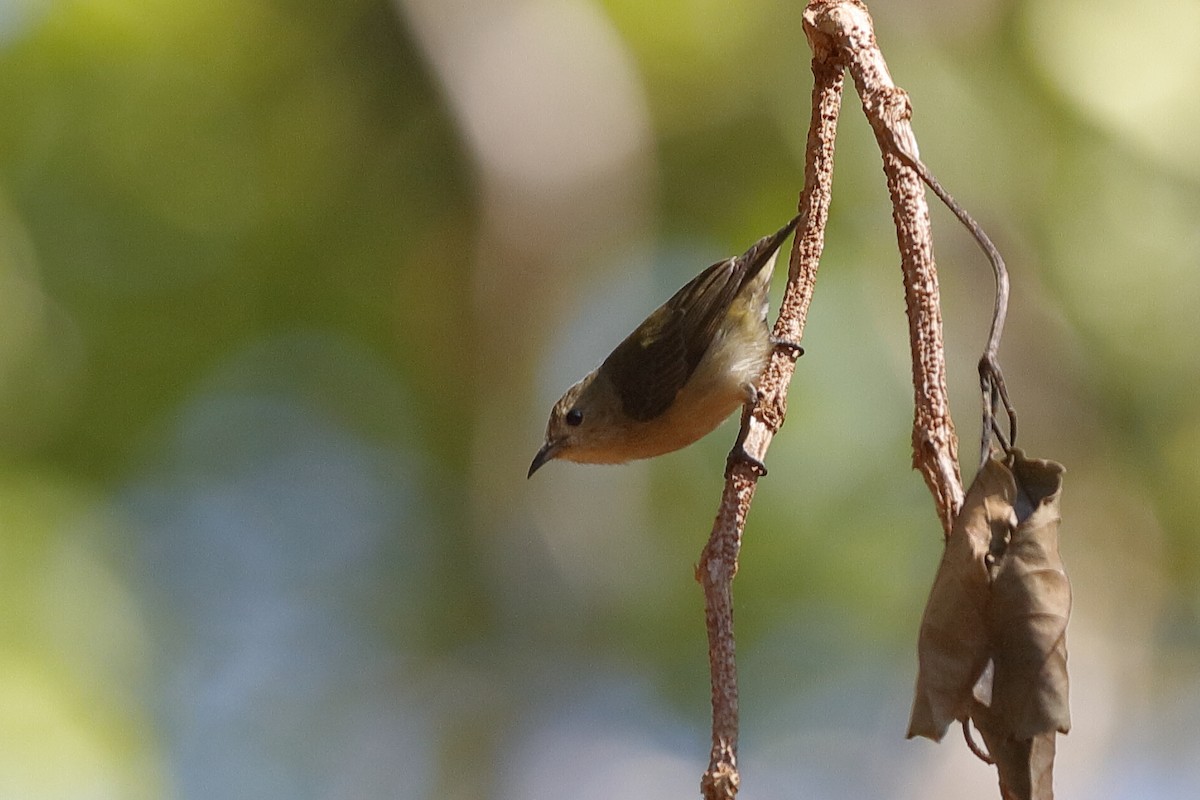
(586,425)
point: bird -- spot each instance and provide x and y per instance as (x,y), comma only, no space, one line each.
(680,373)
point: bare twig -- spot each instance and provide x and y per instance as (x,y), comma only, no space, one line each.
(718,561)
(841,36)
(973,746)
(849,29)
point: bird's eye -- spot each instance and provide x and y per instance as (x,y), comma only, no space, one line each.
(574,417)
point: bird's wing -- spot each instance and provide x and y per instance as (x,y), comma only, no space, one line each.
(655,361)
(650,367)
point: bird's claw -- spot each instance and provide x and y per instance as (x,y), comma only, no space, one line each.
(739,454)
(794,348)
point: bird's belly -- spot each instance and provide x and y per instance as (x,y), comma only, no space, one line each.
(677,429)
(705,402)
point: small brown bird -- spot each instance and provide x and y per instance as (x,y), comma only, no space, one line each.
(686,368)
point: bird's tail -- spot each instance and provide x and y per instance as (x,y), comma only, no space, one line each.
(761,252)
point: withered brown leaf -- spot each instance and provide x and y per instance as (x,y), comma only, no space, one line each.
(1029,608)
(1025,766)
(954,645)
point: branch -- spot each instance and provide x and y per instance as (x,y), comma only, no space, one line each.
(718,561)
(841,36)
(846,28)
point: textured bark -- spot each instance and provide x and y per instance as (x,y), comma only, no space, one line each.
(718,562)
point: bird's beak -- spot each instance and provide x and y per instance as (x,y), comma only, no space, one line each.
(547,453)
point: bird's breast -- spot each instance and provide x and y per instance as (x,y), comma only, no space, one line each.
(718,387)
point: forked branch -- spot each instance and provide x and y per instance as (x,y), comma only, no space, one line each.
(841,37)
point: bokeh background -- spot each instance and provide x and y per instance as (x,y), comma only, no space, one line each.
(287,288)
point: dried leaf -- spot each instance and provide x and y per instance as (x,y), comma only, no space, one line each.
(1025,766)
(1030,604)
(953,648)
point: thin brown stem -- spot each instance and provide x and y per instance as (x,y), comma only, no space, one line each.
(973,746)
(718,561)
(991,377)
(849,29)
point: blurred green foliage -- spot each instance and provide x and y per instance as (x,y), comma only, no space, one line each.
(242,166)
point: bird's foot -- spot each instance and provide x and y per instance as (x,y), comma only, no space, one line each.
(794,349)
(739,454)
